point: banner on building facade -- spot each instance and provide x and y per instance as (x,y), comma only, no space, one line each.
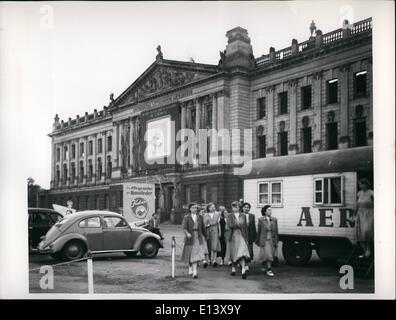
(138,201)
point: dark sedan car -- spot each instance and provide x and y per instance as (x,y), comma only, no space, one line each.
(99,232)
(40,221)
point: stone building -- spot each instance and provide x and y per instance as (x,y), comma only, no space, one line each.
(309,97)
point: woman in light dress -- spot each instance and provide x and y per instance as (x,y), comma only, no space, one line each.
(267,238)
(211,221)
(239,252)
(365,217)
(201,212)
(194,242)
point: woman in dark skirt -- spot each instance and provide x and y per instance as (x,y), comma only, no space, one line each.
(239,252)
(194,231)
(222,236)
(267,238)
(211,221)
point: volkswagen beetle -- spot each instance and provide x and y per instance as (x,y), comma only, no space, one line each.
(99,232)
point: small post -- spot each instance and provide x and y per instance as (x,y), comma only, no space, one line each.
(90,273)
(173,256)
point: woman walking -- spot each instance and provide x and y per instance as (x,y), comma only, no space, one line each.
(194,231)
(201,213)
(365,217)
(239,252)
(267,238)
(211,221)
(222,235)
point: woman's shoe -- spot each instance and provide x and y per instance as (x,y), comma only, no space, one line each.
(195,276)
(214,264)
(244,275)
(270,273)
(233,273)
(205,264)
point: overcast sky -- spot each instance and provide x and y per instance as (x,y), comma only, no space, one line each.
(94,49)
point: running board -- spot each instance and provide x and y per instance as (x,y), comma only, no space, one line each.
(110,251)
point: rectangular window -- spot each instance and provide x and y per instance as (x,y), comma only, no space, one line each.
(328,191)
(360,136)
(360,84)
(270,193)
(192,119)
(73,151)
(332,91)
(100,145)
(283,143)
(58,154)
(282,102)
(306,97)
(261,108)
(262,145)
(331,136)
(109,143)
(306,140)
(90,148)
(82,149)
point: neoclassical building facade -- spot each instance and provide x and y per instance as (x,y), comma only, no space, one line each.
(309,97)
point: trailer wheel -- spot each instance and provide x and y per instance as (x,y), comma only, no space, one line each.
(297,252)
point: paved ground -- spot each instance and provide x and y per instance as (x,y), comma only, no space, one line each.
(116,273)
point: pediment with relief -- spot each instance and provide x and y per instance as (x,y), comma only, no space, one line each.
(161,78)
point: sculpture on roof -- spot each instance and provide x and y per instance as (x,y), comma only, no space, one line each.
(159,55)
(312,28)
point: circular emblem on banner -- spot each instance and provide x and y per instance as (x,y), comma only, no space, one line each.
(139,207)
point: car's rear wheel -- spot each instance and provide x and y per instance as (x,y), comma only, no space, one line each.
(149,248)
(130,254)
(73,250)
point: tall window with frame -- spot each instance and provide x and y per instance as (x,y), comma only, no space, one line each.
(90,147)
(306,135)
(100,145)
(81,171)
(261,112)
(100,169)
(360,84)
(329,191)
(73,151)
(262,146)
(109,167)
(82,152)
(331,136)
(306,97)
(109,143)
(65,153)
(270,193)
(58,154)
(283,143)
(282,103)
(332,91)
(359,132)
(73,172)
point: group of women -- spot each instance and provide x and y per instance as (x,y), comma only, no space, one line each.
(211,234)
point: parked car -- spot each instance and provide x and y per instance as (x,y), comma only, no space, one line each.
(99,232)
(40,221)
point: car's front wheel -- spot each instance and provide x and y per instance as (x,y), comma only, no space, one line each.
(149,248)
(73,250)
